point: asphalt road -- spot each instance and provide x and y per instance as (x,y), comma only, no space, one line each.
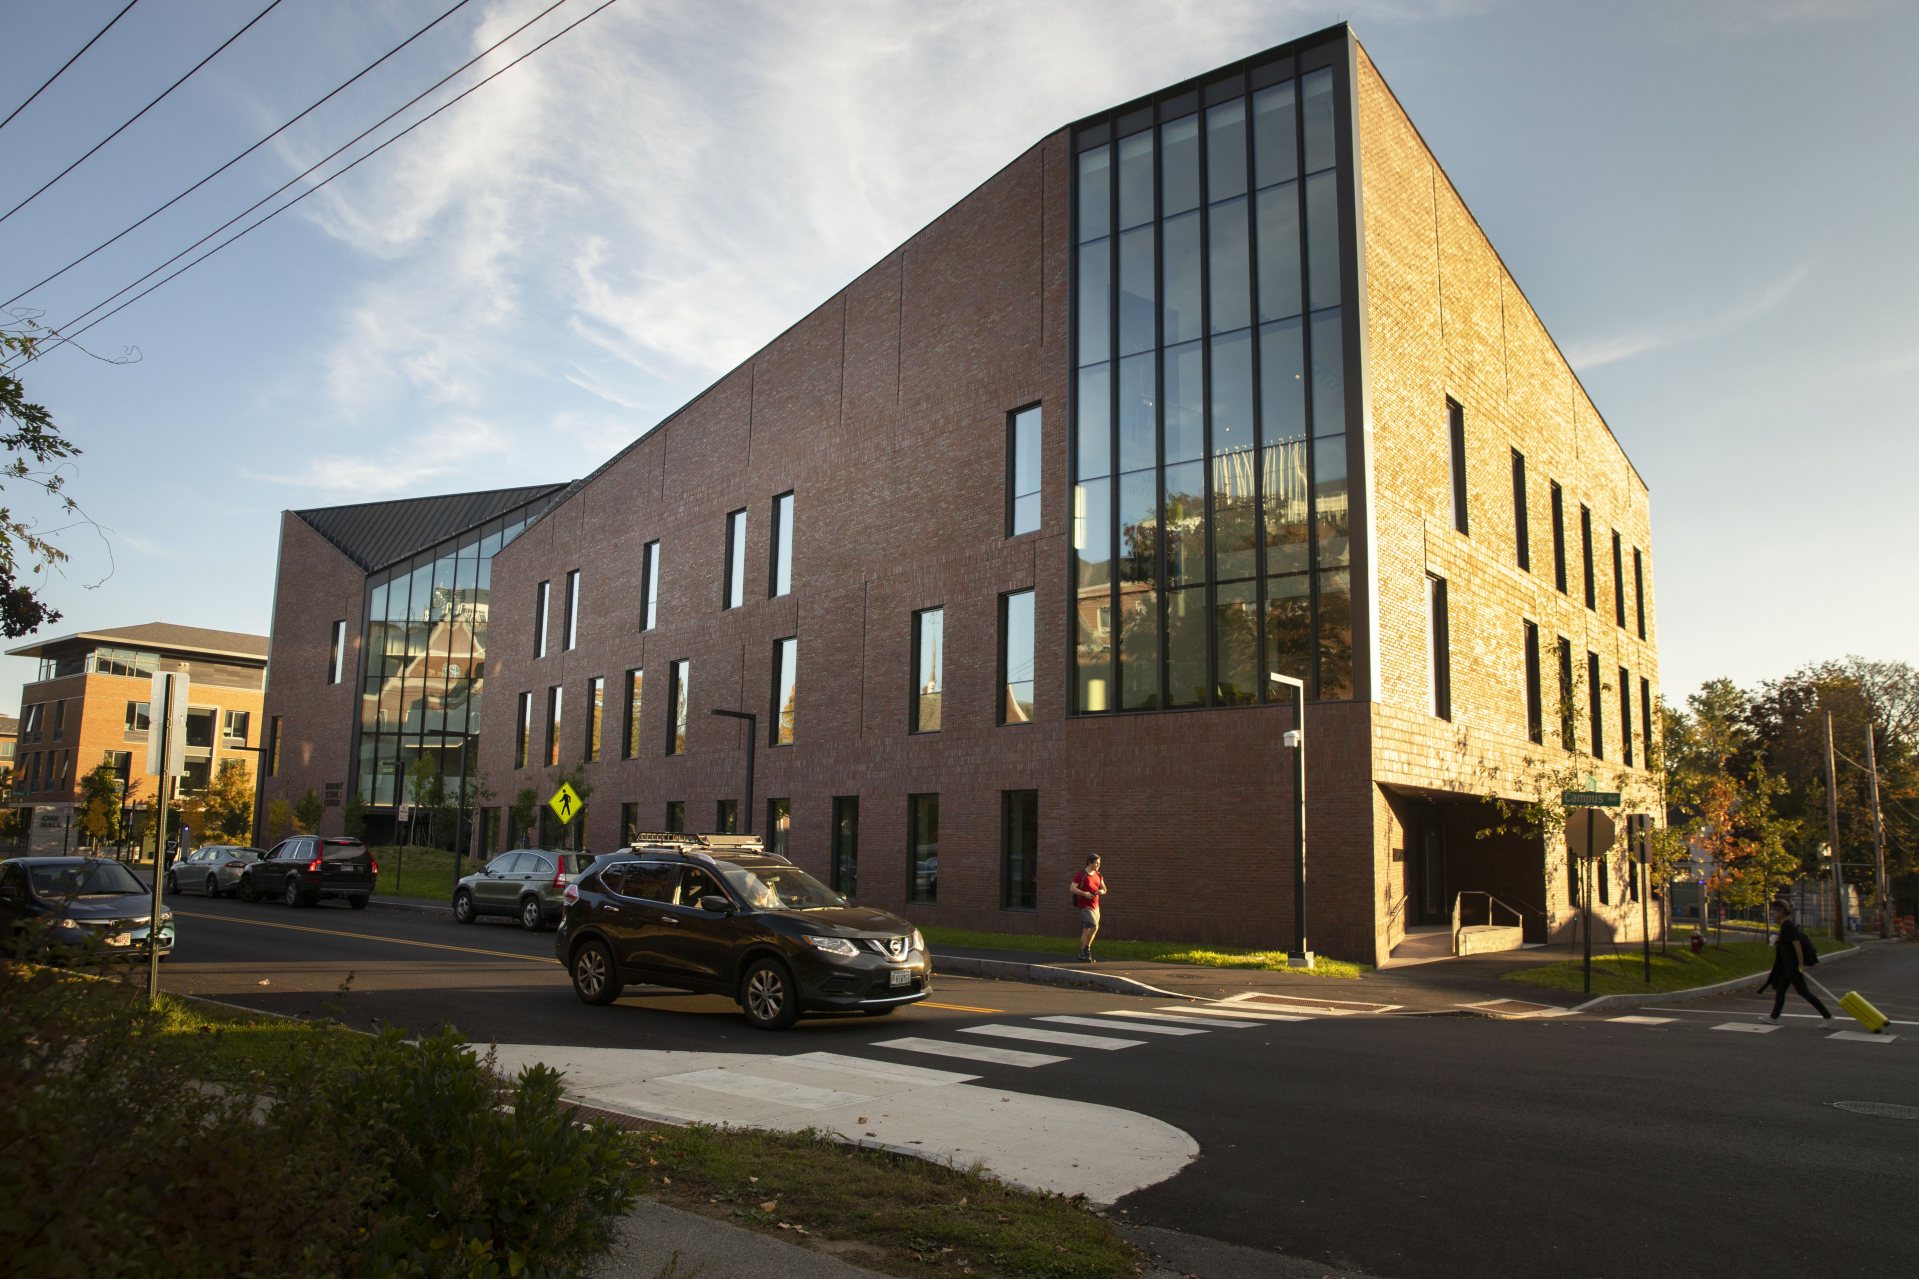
(1401,1147)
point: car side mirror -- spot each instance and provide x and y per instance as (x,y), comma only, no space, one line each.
(717,904)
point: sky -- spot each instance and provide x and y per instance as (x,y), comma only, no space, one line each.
(1708,203)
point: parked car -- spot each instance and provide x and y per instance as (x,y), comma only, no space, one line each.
(304,869)
(734,920)
(213,869)
(80,904)
(527,883)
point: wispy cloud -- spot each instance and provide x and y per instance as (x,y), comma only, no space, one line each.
(1596,352)
(404,466)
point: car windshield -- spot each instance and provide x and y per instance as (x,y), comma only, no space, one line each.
(779,887)
(84,879)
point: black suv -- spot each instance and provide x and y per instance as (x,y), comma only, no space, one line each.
(303,869)
(717,914)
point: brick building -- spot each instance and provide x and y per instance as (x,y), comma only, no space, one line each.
(87,706)
(1000,543)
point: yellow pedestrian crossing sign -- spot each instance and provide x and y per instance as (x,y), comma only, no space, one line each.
(565,803)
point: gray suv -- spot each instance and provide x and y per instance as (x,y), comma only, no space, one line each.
(526,884)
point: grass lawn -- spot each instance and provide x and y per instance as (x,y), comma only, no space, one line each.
(1678,969)
(888,1212)
(1165,952)
(415,871)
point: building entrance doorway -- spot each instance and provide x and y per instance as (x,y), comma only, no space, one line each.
(1429,874)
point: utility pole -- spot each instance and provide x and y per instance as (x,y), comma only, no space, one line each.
(1878,836)
(1832,842)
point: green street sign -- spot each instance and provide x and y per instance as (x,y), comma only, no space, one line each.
(1589,798)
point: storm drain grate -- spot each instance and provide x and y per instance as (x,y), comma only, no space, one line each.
(1878,1109)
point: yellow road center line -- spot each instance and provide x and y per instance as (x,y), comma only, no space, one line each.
(392,941)
(959,1008)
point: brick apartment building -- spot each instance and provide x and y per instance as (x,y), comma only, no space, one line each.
(999,544)
(87,705)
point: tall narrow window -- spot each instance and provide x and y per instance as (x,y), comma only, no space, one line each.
(781,560)
(650,586)
(1596,703)
(676,693)
(1535,710)
(675,816)
(1019,849)
(1618,582)
(786,674)
(1016,657)
(1559,537)
(570,624)
(1602,874)
(846,844)
(554,704)
(1522,542)
(523,730)
(273,747)
(1568,711)
(1586,554)
(733,589)
(1645,718)
(726,817)
(542,596)
(1439,638)
(929,644)
(630,739)
(595,714)
(336,653)
(923,848)
(629,822)
(1639,590)
(1022,471)
(1625,717)
(1456,430)
(779,825)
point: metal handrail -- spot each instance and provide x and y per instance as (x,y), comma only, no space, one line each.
(1491,901)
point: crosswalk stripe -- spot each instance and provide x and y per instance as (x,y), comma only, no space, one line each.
(1208,1022)
(1063,1037)
(1137,1027)
(740,1083)
(1228,1017)
(891,1072)
(1861,1037)
(971,1052)
(1745,1028)
(1643,1021)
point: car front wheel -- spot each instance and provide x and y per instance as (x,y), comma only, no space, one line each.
(248,893)
(594,978)
(768,996)
(463,906)
(532,915)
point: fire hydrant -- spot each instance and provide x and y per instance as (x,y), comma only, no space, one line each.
(1698,943)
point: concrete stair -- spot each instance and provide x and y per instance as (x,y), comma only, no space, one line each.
(1425,945)
(1484,939)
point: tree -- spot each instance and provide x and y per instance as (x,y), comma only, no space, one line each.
(353,815)
(34,451)
(427,789)
(307,813)
(101,797)
(520,815)
(223,812)
(279,821)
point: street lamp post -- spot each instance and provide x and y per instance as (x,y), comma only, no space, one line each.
(752,740)
(1301,955)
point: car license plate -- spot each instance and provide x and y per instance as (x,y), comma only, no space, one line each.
(119,939)
(901,977)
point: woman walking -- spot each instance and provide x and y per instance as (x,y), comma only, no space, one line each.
(1791,956)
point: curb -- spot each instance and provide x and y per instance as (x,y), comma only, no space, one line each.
(420,906)
(1634,1000)
(1045,975)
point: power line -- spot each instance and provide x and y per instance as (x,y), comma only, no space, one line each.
(64,65)
(461,4)
(271,6)
(68,337)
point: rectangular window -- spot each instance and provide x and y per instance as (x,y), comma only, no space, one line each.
(782,556)
(1456,423)
(595,714)
(1568,714)
(200,728)
(1602,872)
(786,674)
(570,626)
(1022,471)
(1522,543)
(1625,717)
(523,730)
(60,718)
(923,848)
(336,653)
(1019,849)
(1586,554)
(675,816)
(733,589)
(121,762)
(1016,657)
(779,825)
(30,720)
(1618,582)
(235,725)
(1639,590)
(542,596)
(273,747)
(1645,718)
(1559,537)
(650,586)
(139,718)
(629,823)
(630,739)
(1596,705)
(726,817)
(1535,709)
(1439,648)
(676,693)
(553,709)
(846,844)
(929,633)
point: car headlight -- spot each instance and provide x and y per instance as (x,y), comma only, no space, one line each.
(834,946)
(919,942)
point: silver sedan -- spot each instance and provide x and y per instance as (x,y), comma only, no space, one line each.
(213,869)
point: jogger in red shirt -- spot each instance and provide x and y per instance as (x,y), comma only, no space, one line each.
(1088,887)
